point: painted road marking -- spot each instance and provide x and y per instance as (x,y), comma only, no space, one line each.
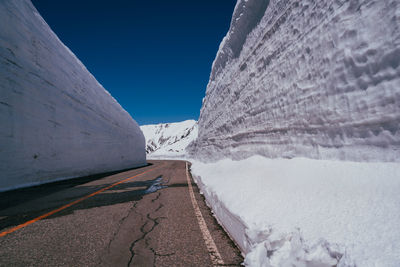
(9,231)
(216,258)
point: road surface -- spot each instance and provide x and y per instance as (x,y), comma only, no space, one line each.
(148,216)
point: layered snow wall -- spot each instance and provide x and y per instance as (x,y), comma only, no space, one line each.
(319,79)
(56,120)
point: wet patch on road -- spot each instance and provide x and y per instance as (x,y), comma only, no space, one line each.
(155,185)
(141,187)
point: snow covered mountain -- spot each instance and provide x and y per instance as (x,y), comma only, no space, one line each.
(56,120)
(319,79)
(168,140)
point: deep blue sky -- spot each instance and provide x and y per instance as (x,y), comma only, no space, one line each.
(154,57)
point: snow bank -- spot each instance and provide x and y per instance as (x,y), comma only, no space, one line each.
(314,79)
(169,140)
(305,212)
(317,79)
(56,120)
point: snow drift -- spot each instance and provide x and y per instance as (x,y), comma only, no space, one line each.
(319,79)
(169,140)
(56,120)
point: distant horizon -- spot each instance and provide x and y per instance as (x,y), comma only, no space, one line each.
(153,57)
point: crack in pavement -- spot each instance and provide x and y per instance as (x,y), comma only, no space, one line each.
(120,223)
(157,197)
(154,222)
(132,224)
(159,255)
(159,207)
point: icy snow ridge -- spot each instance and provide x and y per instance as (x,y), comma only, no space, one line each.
(169,140)
(56,120)
(319,79)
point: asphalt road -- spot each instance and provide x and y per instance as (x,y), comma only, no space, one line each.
(138,217)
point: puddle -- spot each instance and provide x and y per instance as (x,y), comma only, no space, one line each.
(155,185)
(143,187)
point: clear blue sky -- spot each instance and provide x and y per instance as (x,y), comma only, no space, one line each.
(154,57)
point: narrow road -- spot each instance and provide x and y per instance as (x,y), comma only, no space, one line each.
(148,216)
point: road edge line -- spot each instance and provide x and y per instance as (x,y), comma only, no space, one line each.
(215,256)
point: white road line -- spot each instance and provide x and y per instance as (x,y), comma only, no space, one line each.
(216,258)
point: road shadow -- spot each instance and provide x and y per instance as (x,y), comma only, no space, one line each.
(122,193)
(16,197)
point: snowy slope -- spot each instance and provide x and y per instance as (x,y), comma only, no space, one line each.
(56,120)
(166,140)
(319,79)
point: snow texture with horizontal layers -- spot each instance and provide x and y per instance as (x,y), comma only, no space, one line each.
(318,79)
(169,140)
(56,120)
(306,212)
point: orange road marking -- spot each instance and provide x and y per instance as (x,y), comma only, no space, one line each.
(9,231)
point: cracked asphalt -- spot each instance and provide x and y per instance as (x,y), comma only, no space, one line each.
(125,225)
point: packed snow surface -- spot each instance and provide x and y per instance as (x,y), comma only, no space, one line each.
(56,120)
(169,140)
(307,212)
(316,79)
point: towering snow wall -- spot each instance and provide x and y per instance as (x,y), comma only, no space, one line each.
(318,79)
(56,120)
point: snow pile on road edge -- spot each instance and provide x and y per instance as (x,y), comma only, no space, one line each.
(304,211)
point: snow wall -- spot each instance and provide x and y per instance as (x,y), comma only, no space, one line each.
(317,79)
(56,120)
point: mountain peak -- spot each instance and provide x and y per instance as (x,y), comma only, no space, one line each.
(169,140)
